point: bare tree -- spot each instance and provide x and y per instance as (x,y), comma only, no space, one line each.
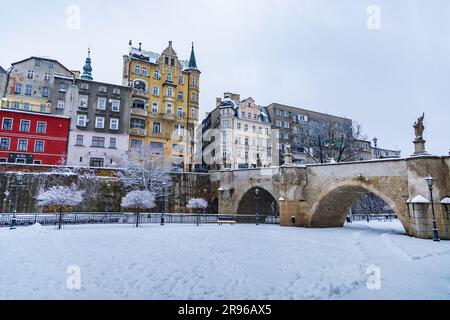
(145,170)
(329,140)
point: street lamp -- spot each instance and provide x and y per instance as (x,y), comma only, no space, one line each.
(257,206)
(163,209)
(375,143)
(19,177)
(430,181)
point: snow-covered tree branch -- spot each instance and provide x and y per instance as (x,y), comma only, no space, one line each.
(197,203)
(145,170)
(60,198)
(138,201)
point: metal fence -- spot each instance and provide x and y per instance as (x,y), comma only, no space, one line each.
(122,218)
(372,217)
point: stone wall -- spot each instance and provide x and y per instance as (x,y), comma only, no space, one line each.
(103,192)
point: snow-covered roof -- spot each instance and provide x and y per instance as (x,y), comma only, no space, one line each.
(446,200)
(153,57)
(418,199)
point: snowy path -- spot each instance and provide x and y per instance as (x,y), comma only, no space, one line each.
(212,262)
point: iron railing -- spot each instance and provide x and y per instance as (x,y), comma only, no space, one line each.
(79,218)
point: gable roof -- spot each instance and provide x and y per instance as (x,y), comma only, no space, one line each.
(43,58)
(2,70)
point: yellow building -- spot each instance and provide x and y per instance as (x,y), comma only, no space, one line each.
(165,110)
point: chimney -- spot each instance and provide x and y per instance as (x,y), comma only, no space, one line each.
(130,45)
(140,46)
(170,43)
(218,101)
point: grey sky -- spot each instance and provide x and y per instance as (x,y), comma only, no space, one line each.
(316,54)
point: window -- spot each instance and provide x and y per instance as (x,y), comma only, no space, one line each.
(61,104)
(7,124)
(37,62)
(242,114)
(194,82)
(193,113)
(101,104)
(239,126)
(286,125)
(180,80)
(246,127)
(16,105)
(249,115)
(22,145)
(37,162)
(84,86)
(114,124)
(193,97)
(156,74)
(286,114)
(278,123)
(29,90)
(267,131)
(156,127)
(4,143)
(169,108)
(172,62)
(45,92)
(83,101)
(303,118)
(170,91)
(81,120)
(246,141)
(254,129)
(98,142)
(180,95)
(180,112)
(137,69)
(156,91)
(112,143)
(116,91)
(62,87)
(226,124)
(24,126)
(115,105)
(26,106)
(41,127)
(96,162)
(277,112)
(51,65)
(144,71)
(102,89)
(99,122)
(39,146)
(137,123)
(42,108)
(139,104)
(166,60)
(136,144)
(80,140)
(18,88)
(169,77)
(46,76)
(20,160)
(155,107)
(178,129)
(30,74)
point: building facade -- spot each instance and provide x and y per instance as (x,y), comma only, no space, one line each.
(32,138)
(99,122)
(3,81)
(39,85)
(289,125)
(165,103)
(235,135)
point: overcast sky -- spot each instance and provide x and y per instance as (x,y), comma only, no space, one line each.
(314,54)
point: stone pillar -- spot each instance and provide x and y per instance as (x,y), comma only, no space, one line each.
(419,147)
(421,220)
(291,214)
(288,158)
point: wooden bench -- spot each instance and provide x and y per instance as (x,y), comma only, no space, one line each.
(230,222)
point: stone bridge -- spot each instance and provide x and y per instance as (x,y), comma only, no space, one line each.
(320,196)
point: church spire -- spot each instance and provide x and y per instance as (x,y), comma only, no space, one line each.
(87,69)
(192,61)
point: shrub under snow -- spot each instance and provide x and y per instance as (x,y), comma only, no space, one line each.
(197,204)
(140,200)
(60,196)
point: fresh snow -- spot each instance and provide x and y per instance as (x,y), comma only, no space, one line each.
(222,262)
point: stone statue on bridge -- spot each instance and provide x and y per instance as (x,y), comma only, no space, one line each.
(419,142)
(419,127)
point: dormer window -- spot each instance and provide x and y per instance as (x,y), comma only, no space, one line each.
(166,60)
(172,62)
(37,62)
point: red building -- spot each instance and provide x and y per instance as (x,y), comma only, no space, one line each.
(32,138)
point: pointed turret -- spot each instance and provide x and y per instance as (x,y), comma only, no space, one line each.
(192,61)
(87,69)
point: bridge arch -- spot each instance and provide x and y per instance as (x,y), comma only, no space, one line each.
(268,203)
(333,205)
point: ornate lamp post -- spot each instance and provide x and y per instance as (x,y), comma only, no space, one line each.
(163,208)
(19,177)
(257,206)
(430,181)
(375,143)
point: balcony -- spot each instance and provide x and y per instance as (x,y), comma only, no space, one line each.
(169,117)
(138,132)
(139,112)
(139,93)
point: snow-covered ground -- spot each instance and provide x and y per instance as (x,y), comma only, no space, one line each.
(226,262)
